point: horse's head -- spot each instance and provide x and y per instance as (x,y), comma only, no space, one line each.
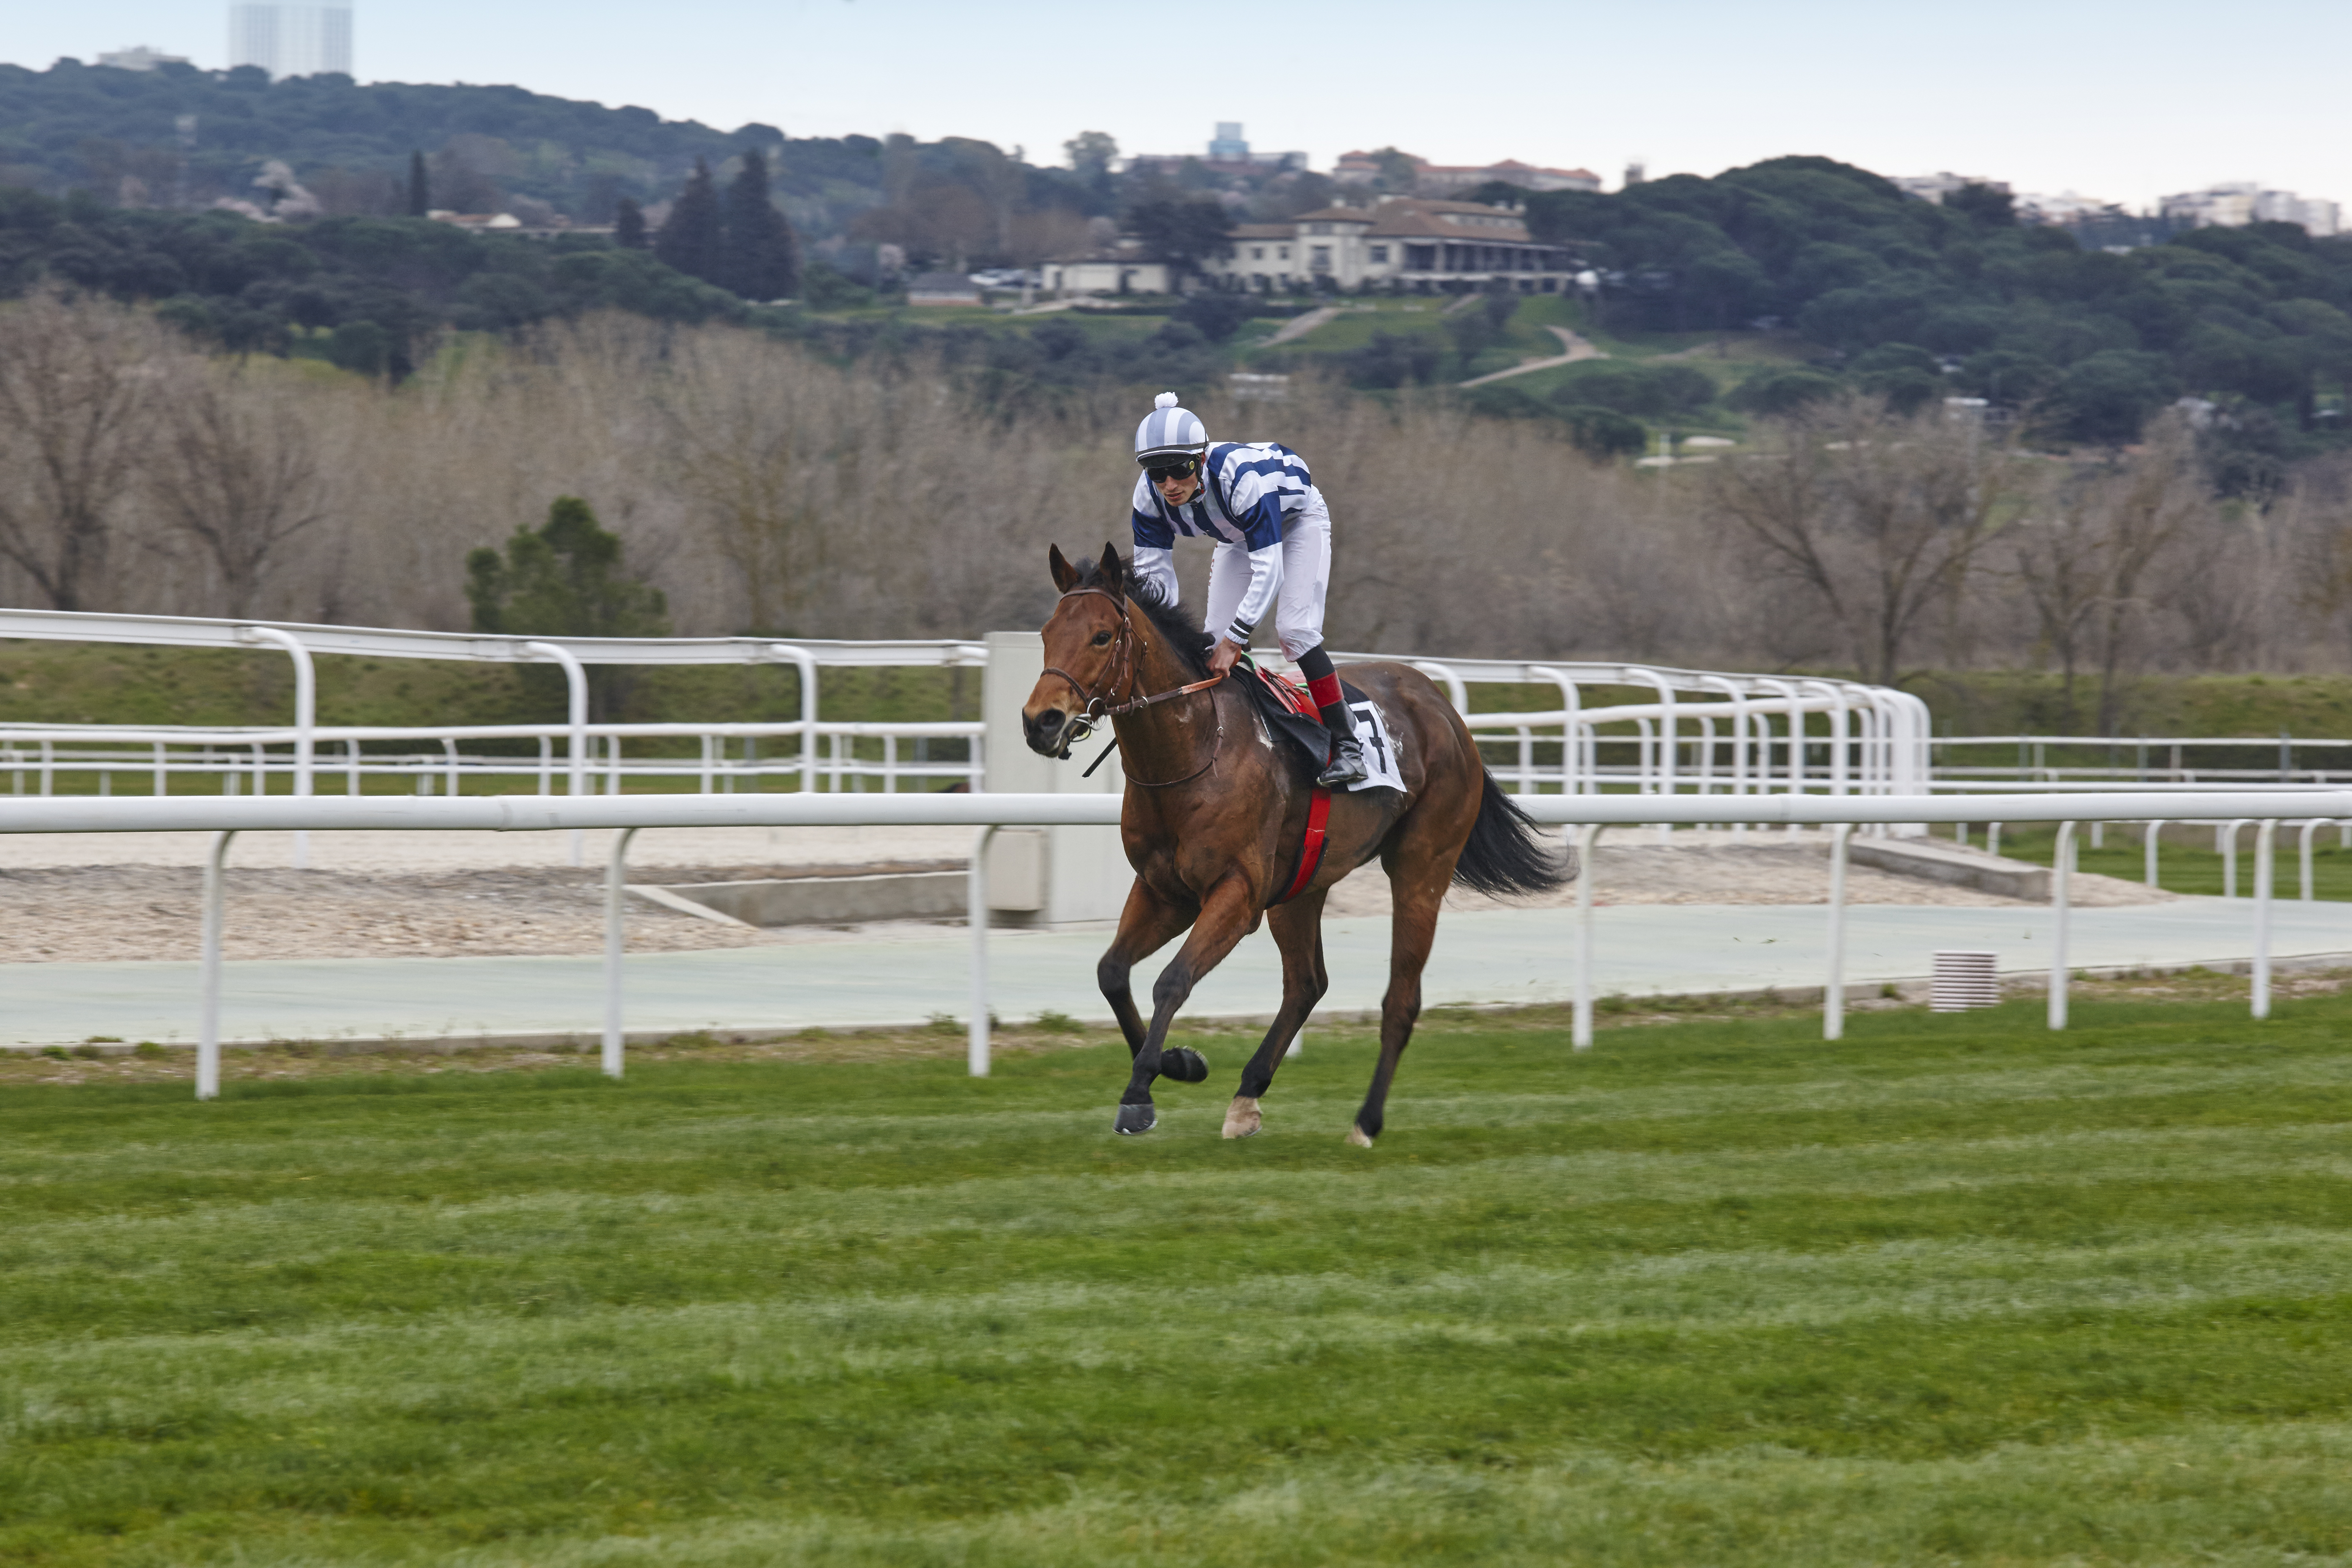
(1086,645)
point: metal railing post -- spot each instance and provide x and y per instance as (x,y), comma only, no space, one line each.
(976,911)
(1834,994)
(306,719)
(1588,840)
(1739,739)
(1669,726)
(1796,721)
(2155,830)
(1570,700)
(2308,829)
(575,680)
(2062,868)
(617,879)
(2230,857)
(805,662)
(209,964)
(2264,838)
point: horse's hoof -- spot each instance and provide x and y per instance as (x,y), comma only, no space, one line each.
(1356,1137)
(1241,1119)
(1183,1065)
(1135,1118)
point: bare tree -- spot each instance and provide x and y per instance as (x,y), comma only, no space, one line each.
(2083,558)
(733,451)
(77,381)
(2322,502)
(767,487)
(234,470)
(1879,517)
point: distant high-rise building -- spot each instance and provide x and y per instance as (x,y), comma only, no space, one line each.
(1227,146)
(295,39)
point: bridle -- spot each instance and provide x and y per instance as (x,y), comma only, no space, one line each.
(1122,671)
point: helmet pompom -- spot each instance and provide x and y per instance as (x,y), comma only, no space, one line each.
(1165,400)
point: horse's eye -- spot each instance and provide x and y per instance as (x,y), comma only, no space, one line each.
(1102,639)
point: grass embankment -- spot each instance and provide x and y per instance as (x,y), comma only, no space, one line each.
(1952,1289)
(2012,702)
(2186,860)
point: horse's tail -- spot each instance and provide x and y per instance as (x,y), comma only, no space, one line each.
(1506,853)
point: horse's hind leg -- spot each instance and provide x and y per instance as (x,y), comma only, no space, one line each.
(1297,929)
(1227,915)
(1146,924)
(1412,930)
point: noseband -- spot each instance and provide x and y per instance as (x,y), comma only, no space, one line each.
(1098,706)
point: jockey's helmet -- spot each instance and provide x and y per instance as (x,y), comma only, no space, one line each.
(1169,432)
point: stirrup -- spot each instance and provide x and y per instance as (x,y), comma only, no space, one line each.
(1346,766)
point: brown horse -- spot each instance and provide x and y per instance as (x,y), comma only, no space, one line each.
(1215,817)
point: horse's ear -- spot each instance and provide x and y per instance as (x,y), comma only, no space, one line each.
(1114,571)
(1065,574)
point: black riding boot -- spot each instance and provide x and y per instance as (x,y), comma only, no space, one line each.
(1347,765)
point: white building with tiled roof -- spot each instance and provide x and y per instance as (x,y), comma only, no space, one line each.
(1405,243)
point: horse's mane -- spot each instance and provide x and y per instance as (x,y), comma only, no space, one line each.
(1176,625)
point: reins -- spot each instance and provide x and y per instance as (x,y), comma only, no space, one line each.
(1098,707)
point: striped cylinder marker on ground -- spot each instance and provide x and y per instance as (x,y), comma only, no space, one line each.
(1962,981)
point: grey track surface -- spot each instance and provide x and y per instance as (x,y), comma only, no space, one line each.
(911,973)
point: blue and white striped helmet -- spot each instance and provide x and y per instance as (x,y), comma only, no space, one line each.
(1169,431)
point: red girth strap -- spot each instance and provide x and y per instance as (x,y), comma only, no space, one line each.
(1310,852)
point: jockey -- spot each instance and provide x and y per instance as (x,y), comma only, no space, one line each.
(1273,534)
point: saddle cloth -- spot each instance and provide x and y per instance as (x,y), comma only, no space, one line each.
(1289,710)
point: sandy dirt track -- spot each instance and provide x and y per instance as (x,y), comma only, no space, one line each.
(101,897)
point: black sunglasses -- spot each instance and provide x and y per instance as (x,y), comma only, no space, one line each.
(1161,473)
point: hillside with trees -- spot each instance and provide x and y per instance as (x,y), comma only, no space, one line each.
(366,293)
(1914,300)
(1864,288)
(179,138)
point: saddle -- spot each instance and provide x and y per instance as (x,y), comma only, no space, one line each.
(1289,710)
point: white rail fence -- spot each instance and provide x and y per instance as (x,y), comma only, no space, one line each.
(446,760)
(1692,731)
(1700,732)
(1590,816)
(2148,760)
(824,753)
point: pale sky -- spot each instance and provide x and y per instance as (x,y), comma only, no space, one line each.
(2124,100)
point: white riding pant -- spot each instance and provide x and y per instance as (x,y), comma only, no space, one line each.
(1306,579)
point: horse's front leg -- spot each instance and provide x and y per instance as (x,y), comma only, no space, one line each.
(1228,914)
(1146,924)
(1297,929)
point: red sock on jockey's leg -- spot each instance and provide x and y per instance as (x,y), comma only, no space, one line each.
(1323,685)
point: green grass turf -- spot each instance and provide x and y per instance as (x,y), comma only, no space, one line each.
(1952,1289)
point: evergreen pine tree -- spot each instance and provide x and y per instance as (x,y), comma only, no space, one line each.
(420,189)
(693,237)
(762,254)
(565,579)
(628,224)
